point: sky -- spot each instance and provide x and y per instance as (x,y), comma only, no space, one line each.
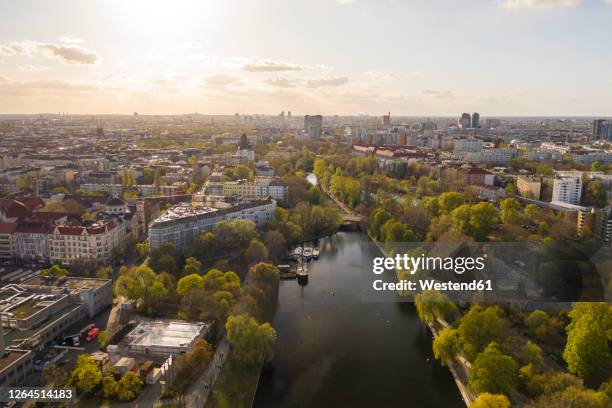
(409,57)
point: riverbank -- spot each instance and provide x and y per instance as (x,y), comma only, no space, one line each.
(458,369)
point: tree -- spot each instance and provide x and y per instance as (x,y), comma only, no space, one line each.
(86,375)
(167,263)
(486,400)
(446,345)
(188,283)
(256,252)
(479,327)
(510,211)
(55,271)
(54,375)
(432,206)
(129,386)
(572,397)
(104,338)
(192,266)
(431,305)
(143,249)
(104,272)
(531,211)
(493,372)
(251,342)
(531,353)
(378,218)
(276,245)
(483,218)
(589,334)
(109,387)
(449,201)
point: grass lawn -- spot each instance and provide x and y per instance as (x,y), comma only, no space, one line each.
(235,386)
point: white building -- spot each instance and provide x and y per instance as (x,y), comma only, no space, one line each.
(567,189)
(183,223)
(260,187)
(467,145)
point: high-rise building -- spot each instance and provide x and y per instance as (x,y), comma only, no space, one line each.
(465,121)
(567,189)
(387,119)
(476,120)
(313,126)
(602,129)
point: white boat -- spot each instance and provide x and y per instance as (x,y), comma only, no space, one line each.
(307,254)
(316,252)
(297,252)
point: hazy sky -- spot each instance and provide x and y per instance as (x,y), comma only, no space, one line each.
(413,57)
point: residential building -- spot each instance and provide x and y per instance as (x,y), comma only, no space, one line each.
(260,187)
(567,189)
(313,126)
(465,121)
(602,129)
(476,120)
(529,186)
(476,175)
(183,223)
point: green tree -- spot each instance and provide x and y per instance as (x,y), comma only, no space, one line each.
(531,353)
(446,345)
(129,386)
(378,218)
(251,342)
(531,212)
(276,245)
(493,372)
(104,272)
(431,305)
(192,266)
(86,376)
(54,375)
(486,400)
(109,387)
(588,336)
(510,211)
(104,338)
(188,283)
(449,201)
(55,271)
(479,327)
(432,206)
(256,252)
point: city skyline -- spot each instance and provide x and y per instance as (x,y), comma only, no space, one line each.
(514,57)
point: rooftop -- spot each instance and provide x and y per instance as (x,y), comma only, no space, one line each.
(165,333)
(70,282)
(11,357)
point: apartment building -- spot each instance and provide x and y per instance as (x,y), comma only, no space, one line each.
(182,223)
(567,189)
(259,188)
(529,186)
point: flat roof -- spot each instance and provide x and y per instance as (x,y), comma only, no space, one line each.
(166,333)
(12,357)
(71,282)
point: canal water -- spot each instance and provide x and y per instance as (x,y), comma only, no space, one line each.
(334,349)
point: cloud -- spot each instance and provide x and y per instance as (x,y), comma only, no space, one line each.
(9,50)
(319,82)
(345,1)
(524,4)
(259,65)
(32,68)
(438,94)
(68,54)
(221,81)
(71,40)
(280,82)
(377,75)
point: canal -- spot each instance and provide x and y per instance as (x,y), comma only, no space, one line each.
(336,349)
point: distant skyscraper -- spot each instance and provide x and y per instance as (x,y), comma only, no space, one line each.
(313,126)
(602,129)
(289,114)
(387,119)
(100,131)
(244,141)
(476,120)
(465,121)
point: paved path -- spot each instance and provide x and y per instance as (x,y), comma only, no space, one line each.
(198,393)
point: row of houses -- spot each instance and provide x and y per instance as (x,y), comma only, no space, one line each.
(28,234)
